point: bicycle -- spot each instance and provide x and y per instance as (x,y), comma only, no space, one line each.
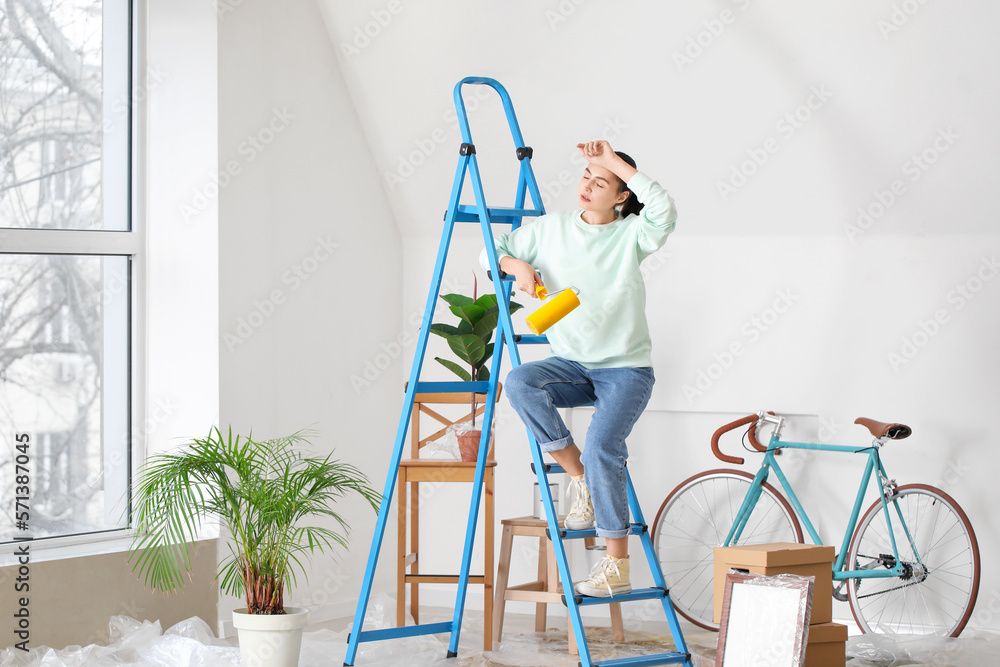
(910,565)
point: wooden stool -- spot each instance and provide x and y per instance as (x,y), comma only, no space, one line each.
(413,472)
(546,589)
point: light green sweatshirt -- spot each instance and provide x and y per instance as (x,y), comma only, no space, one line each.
(608,329)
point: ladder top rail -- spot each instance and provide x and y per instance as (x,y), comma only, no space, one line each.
(508,108)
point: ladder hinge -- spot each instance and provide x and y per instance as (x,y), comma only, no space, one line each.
(548,534)
(576,598)
(467,149)
(524,152)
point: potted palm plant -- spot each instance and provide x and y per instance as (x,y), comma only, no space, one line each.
(262,492)
(470,340)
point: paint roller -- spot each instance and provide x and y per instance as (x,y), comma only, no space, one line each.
(554,308)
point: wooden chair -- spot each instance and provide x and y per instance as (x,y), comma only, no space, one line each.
(415,470)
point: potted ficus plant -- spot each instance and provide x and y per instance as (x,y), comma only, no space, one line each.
(471,341)
(262,492)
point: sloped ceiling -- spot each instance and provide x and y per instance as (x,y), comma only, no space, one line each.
(829,103)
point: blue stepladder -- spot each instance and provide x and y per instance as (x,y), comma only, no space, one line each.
(487,217)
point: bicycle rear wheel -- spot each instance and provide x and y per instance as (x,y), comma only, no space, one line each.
(942,582)
(696,517)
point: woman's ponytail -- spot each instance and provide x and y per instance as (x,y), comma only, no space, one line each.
(632,205)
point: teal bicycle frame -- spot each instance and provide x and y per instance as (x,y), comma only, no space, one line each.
(771,462)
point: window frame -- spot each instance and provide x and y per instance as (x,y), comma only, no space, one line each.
(122,196)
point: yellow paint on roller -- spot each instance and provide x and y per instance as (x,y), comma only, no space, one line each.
(552,311)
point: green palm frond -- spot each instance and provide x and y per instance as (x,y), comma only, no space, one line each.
(261,491)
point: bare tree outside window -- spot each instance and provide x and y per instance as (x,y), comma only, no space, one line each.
(64,322)
(50,108)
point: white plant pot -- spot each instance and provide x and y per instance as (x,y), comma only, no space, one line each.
(270,640)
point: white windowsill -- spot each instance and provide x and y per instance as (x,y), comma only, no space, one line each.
(79,546)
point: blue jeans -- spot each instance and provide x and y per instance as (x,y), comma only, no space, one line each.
(537,388)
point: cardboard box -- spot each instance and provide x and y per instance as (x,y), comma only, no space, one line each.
(826,645)
(780,558)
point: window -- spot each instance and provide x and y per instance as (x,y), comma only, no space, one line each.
(70,254)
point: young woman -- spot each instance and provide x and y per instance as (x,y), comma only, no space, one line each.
(601,350)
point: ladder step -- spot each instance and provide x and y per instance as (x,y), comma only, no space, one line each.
(498,216)
(406,631)
(566,534)
(655,659)
(456,387)
(636,594)
(530,340)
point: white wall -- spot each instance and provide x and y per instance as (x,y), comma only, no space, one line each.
(309,261)
(887,81)
(176,203)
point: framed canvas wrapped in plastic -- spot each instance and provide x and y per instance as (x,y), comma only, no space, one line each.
(765,620)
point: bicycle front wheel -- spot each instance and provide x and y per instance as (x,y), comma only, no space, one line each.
(695,518)
(939,551)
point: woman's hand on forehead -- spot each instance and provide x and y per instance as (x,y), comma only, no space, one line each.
(598,152)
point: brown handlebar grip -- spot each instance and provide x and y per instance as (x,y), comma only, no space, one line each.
(725,429)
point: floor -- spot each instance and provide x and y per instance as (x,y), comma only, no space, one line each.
(522,646)
(192,643)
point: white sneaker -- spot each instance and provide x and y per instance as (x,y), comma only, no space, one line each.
(608,578)
(581,516)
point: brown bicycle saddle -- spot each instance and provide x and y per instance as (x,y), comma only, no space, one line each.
(882,430)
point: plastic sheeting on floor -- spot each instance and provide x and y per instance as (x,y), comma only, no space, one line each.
(191,643)
(973,648)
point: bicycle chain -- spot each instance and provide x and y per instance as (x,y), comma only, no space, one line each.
(888,590)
